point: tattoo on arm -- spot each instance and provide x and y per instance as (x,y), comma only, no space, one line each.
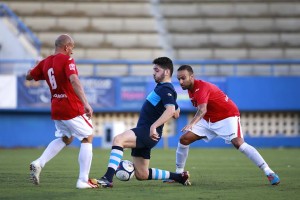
(200,113)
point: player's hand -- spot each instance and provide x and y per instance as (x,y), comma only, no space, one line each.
(176,114)
(88,111)
(153,134)
(188,127)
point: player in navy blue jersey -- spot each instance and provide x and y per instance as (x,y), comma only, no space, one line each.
(159,107)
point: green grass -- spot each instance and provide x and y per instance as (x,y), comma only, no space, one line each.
(216,174)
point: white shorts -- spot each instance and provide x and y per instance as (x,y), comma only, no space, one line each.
(79,127)
(227,129)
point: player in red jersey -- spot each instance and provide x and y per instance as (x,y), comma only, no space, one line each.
(70,110)
(216,116)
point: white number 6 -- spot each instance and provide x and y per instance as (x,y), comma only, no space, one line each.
(52,78)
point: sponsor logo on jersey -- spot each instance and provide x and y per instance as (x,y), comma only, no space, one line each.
(72,66)
(60,96)
(226,98)
(197,90)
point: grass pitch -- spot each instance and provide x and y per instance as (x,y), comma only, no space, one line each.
(215,174)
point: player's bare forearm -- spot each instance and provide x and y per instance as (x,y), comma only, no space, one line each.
(198,116)
(78,88)
(177,113)
(81,95)
(167,114)
(202,108)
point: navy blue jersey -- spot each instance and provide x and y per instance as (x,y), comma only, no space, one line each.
(163,94)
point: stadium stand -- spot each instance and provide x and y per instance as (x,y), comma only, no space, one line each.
(101,29)
(192,29)
(233,29)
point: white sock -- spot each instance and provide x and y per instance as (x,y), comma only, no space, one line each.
(255,157)
(85,160)
(181,156)
(52,150)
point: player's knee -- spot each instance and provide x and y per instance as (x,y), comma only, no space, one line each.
(237,142)
(118,141)
(184,140)
(141,175)
(67,140)
(88,139)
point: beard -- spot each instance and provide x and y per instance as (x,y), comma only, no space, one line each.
(159,79)
(183,87)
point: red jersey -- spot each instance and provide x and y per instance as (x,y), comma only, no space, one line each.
(56,70)
(219,106)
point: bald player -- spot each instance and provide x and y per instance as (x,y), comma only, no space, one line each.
(70,110)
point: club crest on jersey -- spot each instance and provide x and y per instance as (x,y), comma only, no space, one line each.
(72,66)
(169,94)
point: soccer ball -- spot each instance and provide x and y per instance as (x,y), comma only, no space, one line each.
(125,170)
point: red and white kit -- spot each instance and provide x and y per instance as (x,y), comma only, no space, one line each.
(222,117)
(67,110)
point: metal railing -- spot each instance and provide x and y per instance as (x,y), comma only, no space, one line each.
(278,67)
(21,27)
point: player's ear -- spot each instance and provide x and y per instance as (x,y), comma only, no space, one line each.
(167,72)
(192,76)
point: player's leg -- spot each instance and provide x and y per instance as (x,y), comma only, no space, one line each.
(183,149)
(141,160)
(252,154)
(256,158)
(51,151)
(232,132)
(199,131)
(85,161)
(81,127)
(141,168)
(121,141)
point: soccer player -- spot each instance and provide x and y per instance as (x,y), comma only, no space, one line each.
(70,110)
(159,107)
(217,115)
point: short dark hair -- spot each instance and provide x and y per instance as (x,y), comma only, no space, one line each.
(165,63)
(186,67)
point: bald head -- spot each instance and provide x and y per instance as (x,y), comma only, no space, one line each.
(64,44)
(63,40)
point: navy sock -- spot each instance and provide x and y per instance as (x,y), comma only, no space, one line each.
(115,158)
(110,174)
(176,177)
(150,174)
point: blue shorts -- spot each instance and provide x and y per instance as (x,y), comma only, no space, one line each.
(144,143)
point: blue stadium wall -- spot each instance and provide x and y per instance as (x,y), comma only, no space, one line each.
(31,126)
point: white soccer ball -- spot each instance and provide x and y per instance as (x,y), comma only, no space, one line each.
(125,170)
